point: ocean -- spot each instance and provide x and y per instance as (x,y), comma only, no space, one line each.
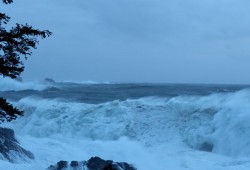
(152,126)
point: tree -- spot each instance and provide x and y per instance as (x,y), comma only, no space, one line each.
(15,43)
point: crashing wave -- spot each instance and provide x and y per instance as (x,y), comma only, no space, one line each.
(218,123)
(7,84)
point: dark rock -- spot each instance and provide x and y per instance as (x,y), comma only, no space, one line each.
(74,163)
(62,164)
(10,149)
(112,167)
(49,80)
(94,163)
(208,147)
(109,167)
(123,165)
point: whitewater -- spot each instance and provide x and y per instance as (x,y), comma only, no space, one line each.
(152,126)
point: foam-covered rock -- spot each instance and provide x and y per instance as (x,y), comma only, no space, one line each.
(10,149)
(94,163)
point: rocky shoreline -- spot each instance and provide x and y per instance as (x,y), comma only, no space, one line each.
(94,163)
(10,150)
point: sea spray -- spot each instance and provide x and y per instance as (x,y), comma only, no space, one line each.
(154,132)
(7,84)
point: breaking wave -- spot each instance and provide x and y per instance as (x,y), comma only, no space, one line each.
(217,123)
(7,84)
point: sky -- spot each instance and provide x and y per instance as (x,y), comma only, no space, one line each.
(157,41)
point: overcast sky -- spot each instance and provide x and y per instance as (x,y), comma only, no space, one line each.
(176,41)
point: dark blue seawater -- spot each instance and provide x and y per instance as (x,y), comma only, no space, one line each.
(164,126)
(99,93)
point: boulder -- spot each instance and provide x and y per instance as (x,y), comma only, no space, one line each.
(10,149)
(94,163)
(49,80)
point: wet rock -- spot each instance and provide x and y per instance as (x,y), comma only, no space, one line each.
(97,163)
(62,165)
(74,164)
(94,163)
(208,147)
(49,80)
(10,149)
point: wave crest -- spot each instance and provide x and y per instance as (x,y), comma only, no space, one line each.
(7,84)
(218,123)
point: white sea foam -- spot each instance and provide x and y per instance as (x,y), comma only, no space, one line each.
(7,84)
(152,133)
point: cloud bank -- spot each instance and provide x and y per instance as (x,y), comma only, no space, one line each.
(139,40)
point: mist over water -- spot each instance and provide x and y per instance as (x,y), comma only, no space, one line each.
(152,126)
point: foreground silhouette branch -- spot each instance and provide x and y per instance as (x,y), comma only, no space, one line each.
(14,43)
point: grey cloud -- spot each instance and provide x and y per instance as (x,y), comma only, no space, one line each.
(140,40)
